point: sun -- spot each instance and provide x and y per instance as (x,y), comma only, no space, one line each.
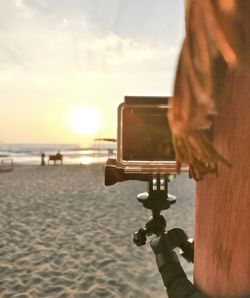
(85,121)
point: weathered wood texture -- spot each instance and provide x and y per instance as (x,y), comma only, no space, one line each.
(222,249)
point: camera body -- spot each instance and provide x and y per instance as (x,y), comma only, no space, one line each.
(144,141)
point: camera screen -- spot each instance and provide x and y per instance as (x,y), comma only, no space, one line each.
(146,135)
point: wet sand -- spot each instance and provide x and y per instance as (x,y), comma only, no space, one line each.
(64,234)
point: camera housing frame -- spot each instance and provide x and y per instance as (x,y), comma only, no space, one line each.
(143,166)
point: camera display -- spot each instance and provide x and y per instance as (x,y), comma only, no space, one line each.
(146,135)
(144,138)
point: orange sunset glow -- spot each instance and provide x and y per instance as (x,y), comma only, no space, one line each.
(85,121)
(66,68)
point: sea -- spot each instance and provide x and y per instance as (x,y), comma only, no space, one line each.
(30,154)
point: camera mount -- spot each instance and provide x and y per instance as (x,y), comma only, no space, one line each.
(174,278)
(156,199)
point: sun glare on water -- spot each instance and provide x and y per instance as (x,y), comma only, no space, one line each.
(86,160)
(85,121)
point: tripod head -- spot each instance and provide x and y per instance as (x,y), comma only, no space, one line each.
(156,199)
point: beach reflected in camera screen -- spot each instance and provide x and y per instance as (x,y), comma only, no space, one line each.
(146,135)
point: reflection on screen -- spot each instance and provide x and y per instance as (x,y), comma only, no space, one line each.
(146,135)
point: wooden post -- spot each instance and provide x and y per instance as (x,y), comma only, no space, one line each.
(222,248)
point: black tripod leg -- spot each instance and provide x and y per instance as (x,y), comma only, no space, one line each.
(178,238)
(173,276)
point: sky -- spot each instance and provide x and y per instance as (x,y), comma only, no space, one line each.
(69,60)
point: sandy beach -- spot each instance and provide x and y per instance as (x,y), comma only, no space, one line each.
(64,234)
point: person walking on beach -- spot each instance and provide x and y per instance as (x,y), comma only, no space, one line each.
(42,159)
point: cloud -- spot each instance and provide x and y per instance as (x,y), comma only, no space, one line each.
(45,58)
(124,50)
(55,46)
(24,10)
(19,3)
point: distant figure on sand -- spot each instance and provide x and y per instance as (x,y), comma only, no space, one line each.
(110,152)
(56,157)
(42,159)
